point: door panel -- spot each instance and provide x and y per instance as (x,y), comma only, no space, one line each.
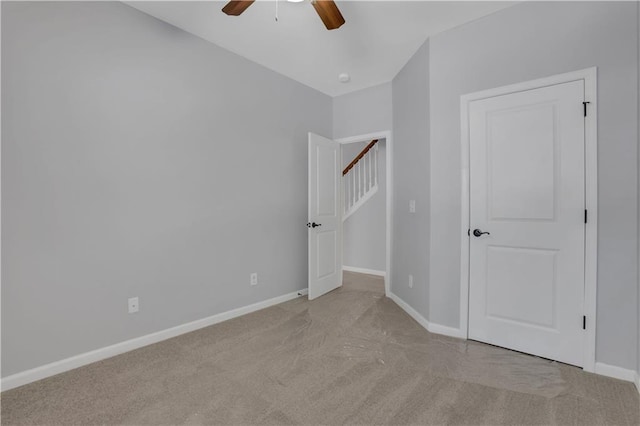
(325,236)
(530,299)
(326,249)
(522,170)
(526,286)
(327,179)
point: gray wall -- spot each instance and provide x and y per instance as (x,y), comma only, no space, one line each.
(361,112)
(139,160)
(638,122)
(358,113)
(524,42)
(410,254)
(365,231)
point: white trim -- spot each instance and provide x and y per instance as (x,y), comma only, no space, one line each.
(388,136)
(76,361)
(363,270)
(591,204)
(600,368)
(446,330)
(361,202)
(589,76)
(382,134)
(429,326)
(615,372)
(409,310)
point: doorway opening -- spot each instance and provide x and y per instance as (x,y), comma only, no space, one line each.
(364,197)
(367,191)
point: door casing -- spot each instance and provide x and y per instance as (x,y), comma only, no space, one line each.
(589,76)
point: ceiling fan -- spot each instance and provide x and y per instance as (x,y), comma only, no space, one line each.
(326,9)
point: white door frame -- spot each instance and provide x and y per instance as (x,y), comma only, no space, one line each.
(387,135)
(589,76)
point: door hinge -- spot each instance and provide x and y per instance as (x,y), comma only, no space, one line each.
(584,322)
(585,215)
(584,105)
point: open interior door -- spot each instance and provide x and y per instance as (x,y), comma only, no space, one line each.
(325,216)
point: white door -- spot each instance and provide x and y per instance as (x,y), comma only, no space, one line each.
(325,216)
(527,193)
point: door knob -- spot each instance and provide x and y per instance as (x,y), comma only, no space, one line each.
(313,225)
(478,233)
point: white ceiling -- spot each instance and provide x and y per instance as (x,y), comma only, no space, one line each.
(377,40)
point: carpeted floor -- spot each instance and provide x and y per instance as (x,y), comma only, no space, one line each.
(349,357)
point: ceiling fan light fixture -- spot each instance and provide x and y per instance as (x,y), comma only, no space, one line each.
(326,10)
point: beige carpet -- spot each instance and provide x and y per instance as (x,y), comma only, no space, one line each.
(349,357)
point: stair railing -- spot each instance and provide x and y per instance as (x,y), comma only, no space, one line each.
(360,178)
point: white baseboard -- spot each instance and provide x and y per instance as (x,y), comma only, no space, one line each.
(447,331)
(431,327)
(600,368)
(408,309)
(615,372)
(76,361)
(364,271)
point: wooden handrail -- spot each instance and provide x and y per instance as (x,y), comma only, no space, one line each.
(359,156)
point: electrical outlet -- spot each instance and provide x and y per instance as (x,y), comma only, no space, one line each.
(412,206)
(134,305)
(410,281)
(253,278)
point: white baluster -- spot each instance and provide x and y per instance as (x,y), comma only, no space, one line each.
(355,184)
(359,182)
(347,178)
(349,191)
(345,194)
(353,177)
(375,153)
(370,170)
(370,155)
(364,175)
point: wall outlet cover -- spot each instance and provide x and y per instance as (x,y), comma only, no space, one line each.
(134,305)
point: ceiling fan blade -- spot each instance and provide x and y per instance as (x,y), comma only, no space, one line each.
(329,13)
(235,8)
